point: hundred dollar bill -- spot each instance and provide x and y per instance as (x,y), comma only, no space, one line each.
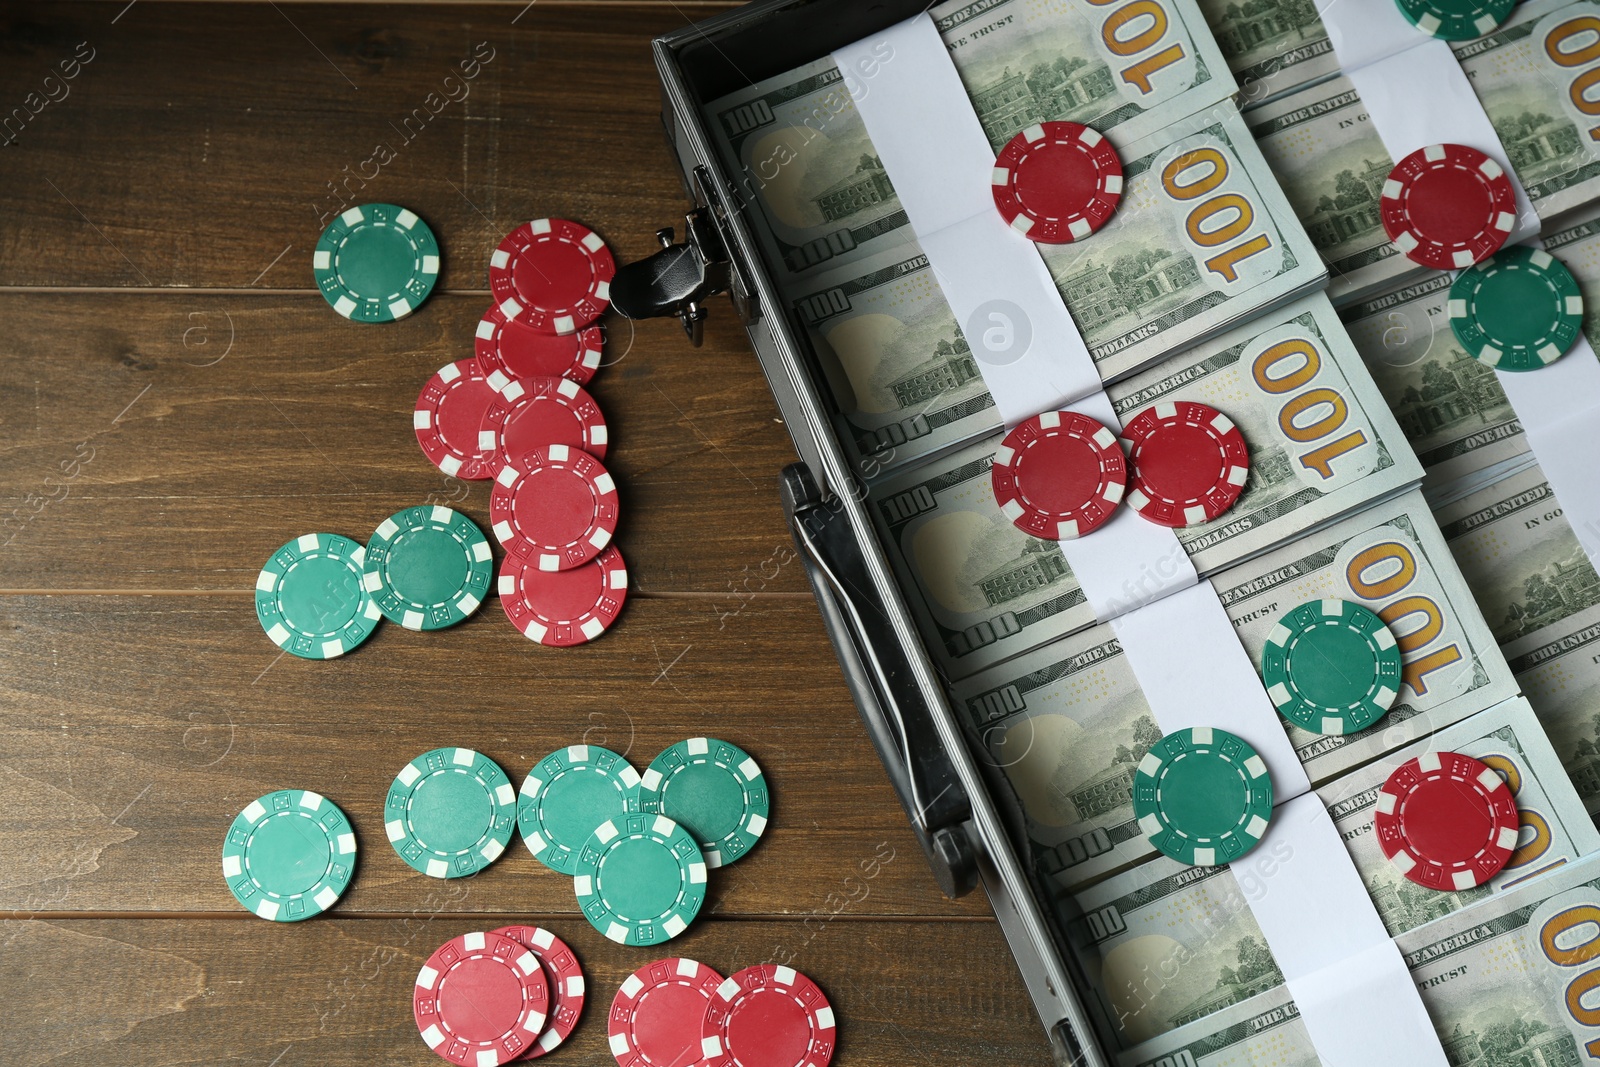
(1067,724)
(1392,559)
(1127,68)
(800,152)
(1264,1031)
(1450,405)
(1332,164)
(1506,983)
(901,370)
(1559,671)
(1276,46)
(1202,239)
(1165,943)
(1532,77)
(1272,46)
(904,383)
(1520,556)
(1577,245)
(983,590)
(1541,596)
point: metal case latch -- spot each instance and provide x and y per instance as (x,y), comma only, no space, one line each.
(678,279)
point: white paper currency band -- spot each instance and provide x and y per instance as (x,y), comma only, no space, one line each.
(1414,90)
(1365,31)
(934,149)
(1343,967)
(1348,979)
(1130,561)
(1194,672)
(1559,408)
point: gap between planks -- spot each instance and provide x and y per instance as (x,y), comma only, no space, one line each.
(633,594)
(497,916)
(191,290)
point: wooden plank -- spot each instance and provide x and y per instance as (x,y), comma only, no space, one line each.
(165,441)
(135,728)
(195,434)
(223,142)
(337,992)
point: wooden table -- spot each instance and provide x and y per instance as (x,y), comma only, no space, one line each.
(176,400)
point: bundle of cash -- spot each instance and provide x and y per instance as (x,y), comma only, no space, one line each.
(1450,405)
(984,590)
(900,369)
(1530,75)
(1505,982)
(1541,597)
(1165,944)
(1272,46)
(1332,163)
(1067,724)
(801,154)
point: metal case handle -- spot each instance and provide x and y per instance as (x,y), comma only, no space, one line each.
(896,719)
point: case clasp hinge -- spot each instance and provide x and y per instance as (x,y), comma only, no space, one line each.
(676,280)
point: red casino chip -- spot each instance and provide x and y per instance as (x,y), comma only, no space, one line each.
(449,416)
(480,1000)
(1057,182)
(566,983)
(564,608)
(555,508)
(1448,206)
(1059,475)
(529,413)
(1447,821)
(519,351)
(656,1015)
(771,1015)
(1189,463)
(553,275)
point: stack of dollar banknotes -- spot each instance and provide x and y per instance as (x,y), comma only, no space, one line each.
(1435,515)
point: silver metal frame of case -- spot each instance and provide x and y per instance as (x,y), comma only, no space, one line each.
(947,794)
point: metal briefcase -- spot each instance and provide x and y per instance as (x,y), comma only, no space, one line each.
(947,793)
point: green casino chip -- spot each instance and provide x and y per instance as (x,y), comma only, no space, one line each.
(567,796)
(714,790)
(428,567)
(640,879)
(1202,796)
(1331,667)
(1456,20)
(289,855)
(376,263)
(1520,309)
(450,812)
(311,600)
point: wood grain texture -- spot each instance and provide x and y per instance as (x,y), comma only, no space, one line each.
(198,145)
(161,441)
(137,727)
(178,401)
(337,992)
